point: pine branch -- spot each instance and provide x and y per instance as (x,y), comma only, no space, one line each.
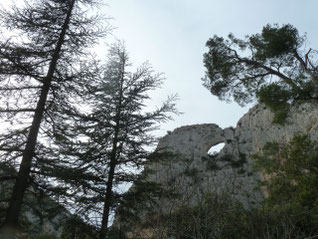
(22,110)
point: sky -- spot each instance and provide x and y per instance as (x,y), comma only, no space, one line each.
(171,35)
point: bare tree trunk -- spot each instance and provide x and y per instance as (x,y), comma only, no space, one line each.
(113,162)
(109,194)
(21,183)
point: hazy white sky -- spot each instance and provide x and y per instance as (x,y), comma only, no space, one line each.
(171,34)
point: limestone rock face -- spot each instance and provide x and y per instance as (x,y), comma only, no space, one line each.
(192,172)
(255,128)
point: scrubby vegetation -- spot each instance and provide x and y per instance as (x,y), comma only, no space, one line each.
(289,211)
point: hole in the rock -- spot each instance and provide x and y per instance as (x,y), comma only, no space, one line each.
(215,149)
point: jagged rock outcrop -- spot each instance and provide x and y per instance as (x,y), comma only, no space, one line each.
(232,171)
(192,172)
(255,128)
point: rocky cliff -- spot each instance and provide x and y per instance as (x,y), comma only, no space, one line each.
(192,172)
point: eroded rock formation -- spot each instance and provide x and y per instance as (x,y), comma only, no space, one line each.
(193,173)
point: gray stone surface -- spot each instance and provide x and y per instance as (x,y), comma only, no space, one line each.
(193,173)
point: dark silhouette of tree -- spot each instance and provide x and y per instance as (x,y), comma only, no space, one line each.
(42,69)
(113,139)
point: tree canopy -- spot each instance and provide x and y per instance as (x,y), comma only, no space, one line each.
(43,65)
(271,63)
(292,172)
(110,143)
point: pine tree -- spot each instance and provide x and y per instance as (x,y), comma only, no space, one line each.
(114,139)
(42,68)
(273,66)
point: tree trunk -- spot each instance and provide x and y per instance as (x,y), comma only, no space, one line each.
(21,183)
(313,75)
(113,162)
(108,196)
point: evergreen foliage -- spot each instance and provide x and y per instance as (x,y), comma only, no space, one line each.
(292,170)
(272,66)
(44,63)
(111,142)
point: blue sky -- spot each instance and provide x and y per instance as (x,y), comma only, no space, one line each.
(171,35)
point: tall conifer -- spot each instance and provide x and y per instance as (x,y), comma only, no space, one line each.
(42,69)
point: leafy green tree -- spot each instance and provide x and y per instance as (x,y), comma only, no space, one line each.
(292,170)
(112,141)
(42,69)
(272,66)
(290,181)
